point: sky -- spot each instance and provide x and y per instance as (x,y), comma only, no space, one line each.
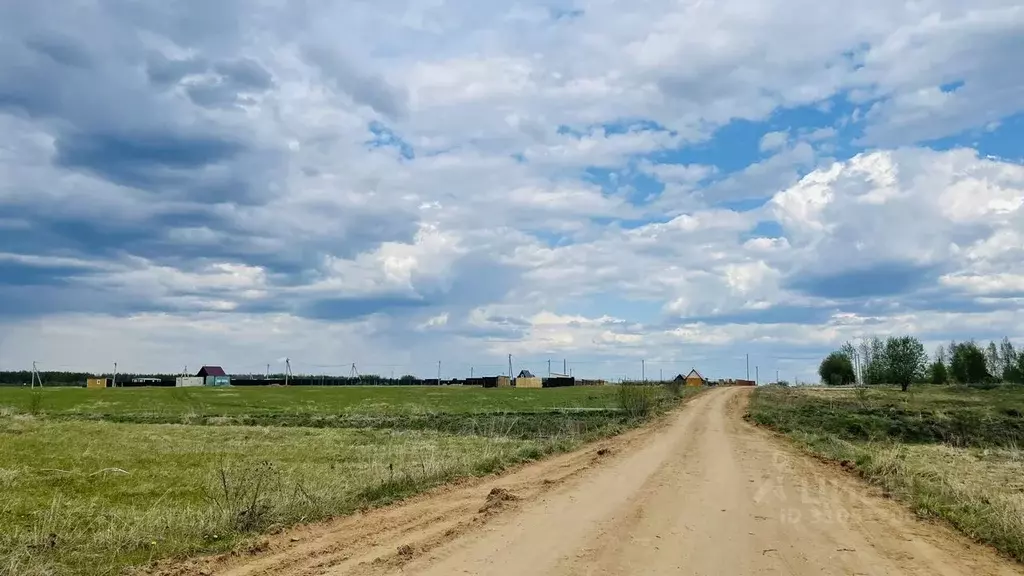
(633,188)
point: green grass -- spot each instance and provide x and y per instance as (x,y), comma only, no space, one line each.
(527,413)
(115,494)
(306,400)
(92,483)
(948,452)
(958,416)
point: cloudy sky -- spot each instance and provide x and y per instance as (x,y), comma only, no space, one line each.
(400,182)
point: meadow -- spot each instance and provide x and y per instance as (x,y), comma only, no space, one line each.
(96,482)
(952,453)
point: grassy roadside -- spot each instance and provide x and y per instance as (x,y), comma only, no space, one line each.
(948,453)
(79,496)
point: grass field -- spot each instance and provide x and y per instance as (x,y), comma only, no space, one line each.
(949,452)
(90,485)
(310,400)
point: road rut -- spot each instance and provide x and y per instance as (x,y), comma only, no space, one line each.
(702,493)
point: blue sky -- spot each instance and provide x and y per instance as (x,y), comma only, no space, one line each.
(400,183)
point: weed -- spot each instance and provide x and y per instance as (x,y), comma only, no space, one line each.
(242,496)
(674,387)
(637,401)
(35,403)
(862,395)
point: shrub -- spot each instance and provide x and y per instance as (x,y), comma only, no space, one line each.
(35,403)
(674,387)
(836,369)
(637,401)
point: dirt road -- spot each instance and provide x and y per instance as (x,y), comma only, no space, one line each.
(703,493)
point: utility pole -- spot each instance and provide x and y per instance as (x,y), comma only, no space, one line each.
(661,374)
(35,376)
(564,369)
(776,376)
(114,383)
(748,366)
(757,375)
(549,367)
(510,366)
(643,370)
(268,371)
(438,372)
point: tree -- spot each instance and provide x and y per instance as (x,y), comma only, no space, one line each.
(1015,371)
(874,369)
(905,359)
(1010,361)
(992,360)
(967,363)
(850,352)
(836,369)
(937,373)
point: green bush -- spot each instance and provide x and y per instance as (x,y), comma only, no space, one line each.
(638,402)
(836,369)
(674,387)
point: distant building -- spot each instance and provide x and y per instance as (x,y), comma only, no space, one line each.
(526,379)
(694,378)
(559,381)
(214,376)
(496,381)
(99,382)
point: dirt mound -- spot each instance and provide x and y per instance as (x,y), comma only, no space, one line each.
(497,499)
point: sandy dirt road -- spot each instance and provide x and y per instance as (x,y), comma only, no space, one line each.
(701,493)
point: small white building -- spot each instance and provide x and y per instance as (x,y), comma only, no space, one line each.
(189,381)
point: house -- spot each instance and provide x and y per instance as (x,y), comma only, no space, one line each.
(214,376)
(694,378)
(526,379)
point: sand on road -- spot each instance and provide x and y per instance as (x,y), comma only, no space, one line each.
(702,492)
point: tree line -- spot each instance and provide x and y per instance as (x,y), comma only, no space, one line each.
(902,360)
